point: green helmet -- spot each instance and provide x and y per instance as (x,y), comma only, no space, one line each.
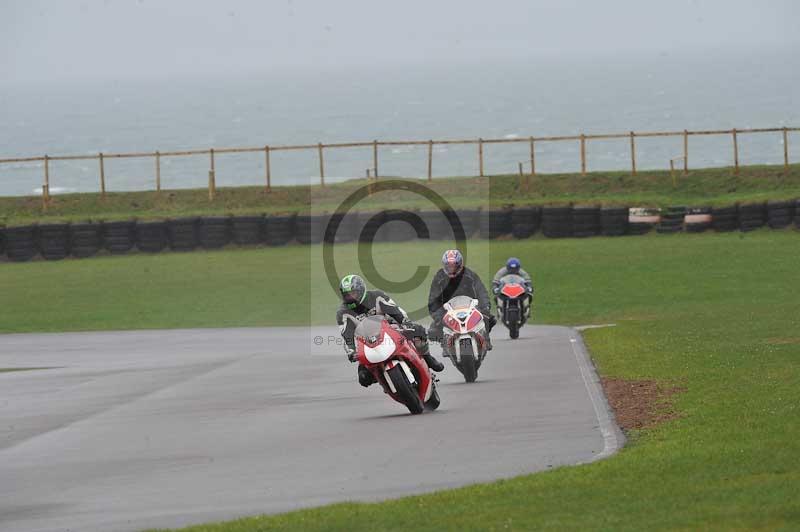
(353,290)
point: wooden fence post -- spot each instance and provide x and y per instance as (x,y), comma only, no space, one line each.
(321,165)
(685,152)
(735,153)
(521,175)
(480,156)
(430,160)
(583,154)
(158,171)
(268,171)
(785,150)
(633,154)
(102,176)
(46,188)
(533,158)
(375,158)
(212,184)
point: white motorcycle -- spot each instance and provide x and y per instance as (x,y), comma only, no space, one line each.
(464,336)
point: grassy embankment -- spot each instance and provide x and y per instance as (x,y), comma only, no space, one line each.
(716,314)
(712,186)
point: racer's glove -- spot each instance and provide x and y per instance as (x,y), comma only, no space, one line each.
(352,354)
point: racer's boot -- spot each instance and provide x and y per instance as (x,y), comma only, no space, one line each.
(425,352)
(488,342)
(365,376)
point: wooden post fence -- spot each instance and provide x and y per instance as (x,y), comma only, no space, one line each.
(158,171)
(685,152)
(46,187)
(785,150)
(321,165)
(583,154)
(533,158)
(480,156)
(102,176)
(376,144)
(375,158)
(267,170)
(212,178)
(430,160)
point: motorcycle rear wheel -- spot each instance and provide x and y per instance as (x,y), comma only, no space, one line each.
(407,393)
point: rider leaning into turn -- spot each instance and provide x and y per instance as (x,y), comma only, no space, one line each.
(513,267)
(358,302)
(455,279)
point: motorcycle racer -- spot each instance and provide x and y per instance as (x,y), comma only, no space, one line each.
(358,302)
(455,279)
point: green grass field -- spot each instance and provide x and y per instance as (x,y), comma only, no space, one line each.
(716,314)
(710,186)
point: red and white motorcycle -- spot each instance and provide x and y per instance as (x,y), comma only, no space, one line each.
(396,364)
(464,334)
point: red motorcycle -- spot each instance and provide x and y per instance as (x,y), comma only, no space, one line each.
(396,364)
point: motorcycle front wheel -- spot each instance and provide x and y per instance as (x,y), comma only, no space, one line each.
(407,393)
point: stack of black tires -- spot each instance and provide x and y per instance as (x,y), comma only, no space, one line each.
(614,221)
(724,219)
(671,220)
(780,213)
(557,222)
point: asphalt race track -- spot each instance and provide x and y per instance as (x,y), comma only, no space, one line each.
(131,430)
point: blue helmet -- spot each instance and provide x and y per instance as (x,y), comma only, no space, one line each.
(513,265)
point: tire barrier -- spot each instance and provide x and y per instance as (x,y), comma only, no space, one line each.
(494,223)
(797,213)
(724,219)
(214,232)
(585,221)
(752,216)
(182,234)
(398,226)
(151,237)
(780,214)
(279,230)
(469,219)
(671,220)
(21,243)
(247,230)
(642,220)
(85,239)
(697,219)
(525,221)
(309,229)
(119,237)
(557,222)
(438,224)
(614,221)
(53,241)
(346,231)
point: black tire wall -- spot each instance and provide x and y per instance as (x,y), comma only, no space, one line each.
(21,243)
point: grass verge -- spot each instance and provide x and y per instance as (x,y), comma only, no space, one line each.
(710,186)
(714,314)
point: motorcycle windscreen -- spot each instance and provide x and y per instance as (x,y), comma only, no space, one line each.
(460,302)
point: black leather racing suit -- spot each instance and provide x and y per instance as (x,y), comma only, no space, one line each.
(347,326)
(444,288)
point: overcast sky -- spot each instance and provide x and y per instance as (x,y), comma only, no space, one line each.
(73,40)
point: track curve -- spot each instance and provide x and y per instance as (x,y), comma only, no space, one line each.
(141,429)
